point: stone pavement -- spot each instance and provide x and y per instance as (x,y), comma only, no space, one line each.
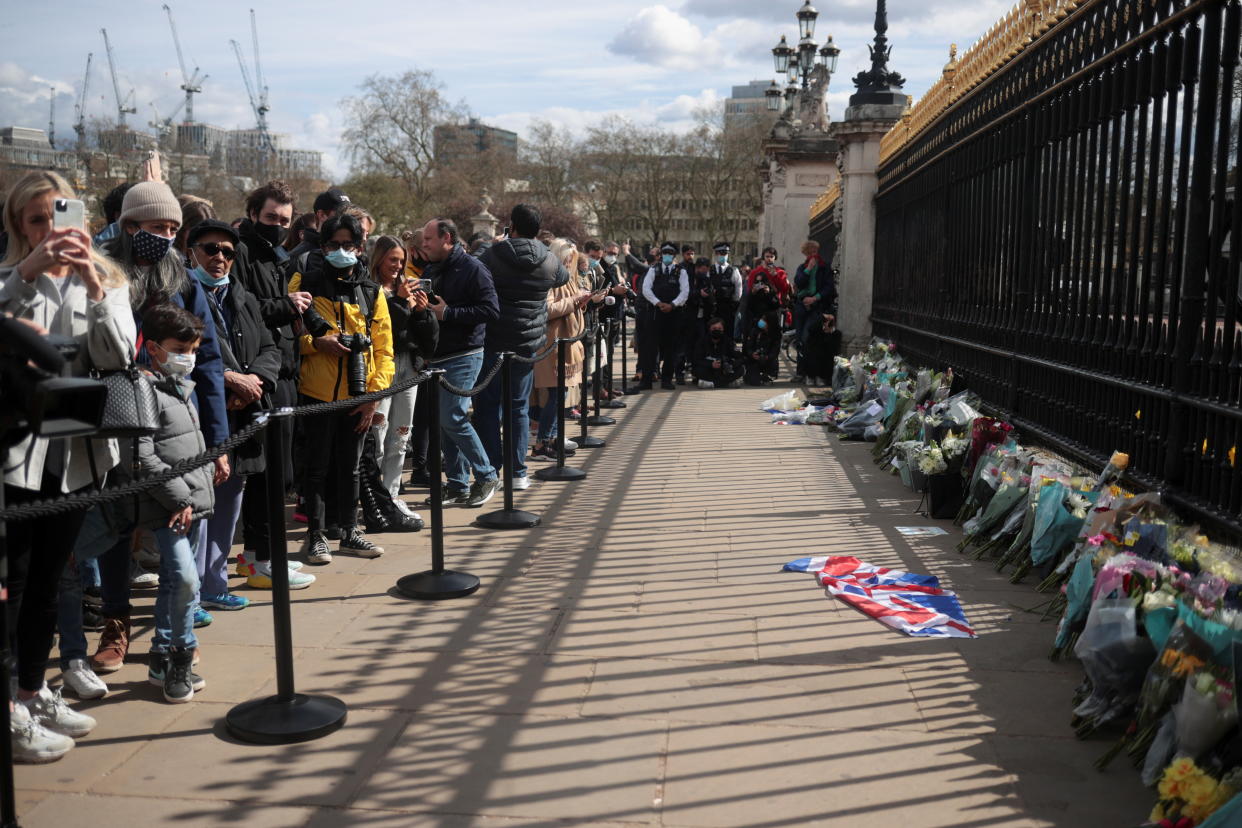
(638,659)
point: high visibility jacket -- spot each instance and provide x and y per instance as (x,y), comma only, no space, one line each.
(324,377)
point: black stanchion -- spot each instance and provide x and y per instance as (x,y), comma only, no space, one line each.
(597,419)
(585,440)
(288,716)
(612,402)
(560,471)
(437,583)
(625,324)
(508,517)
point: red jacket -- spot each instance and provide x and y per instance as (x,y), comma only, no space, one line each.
(776,276)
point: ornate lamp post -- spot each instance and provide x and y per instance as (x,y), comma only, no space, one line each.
(807,15)
(879,84)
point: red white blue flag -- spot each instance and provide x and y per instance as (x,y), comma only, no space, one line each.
(912,604)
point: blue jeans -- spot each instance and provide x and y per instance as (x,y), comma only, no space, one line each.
(215,537)
(462,448)
(177,597)
(97,536)
(547,416)
(489,411)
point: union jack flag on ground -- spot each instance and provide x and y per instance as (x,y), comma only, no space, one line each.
(912,604)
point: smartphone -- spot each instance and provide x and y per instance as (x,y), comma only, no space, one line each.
(505,232)
(68,213)
(424,285)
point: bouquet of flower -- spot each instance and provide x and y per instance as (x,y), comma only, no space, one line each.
(931,460)
(1206,712)
(1189,795)
(1010,498)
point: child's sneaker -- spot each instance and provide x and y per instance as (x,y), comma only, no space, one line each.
(81,679)
(34,744)
(202,618)
(49,709)
(157,670)
(224,601)
(262,577)
(178,677)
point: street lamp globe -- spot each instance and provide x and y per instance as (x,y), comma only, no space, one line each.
(773,95)
(795,72)
(781,55)
(806,20)
(828,56)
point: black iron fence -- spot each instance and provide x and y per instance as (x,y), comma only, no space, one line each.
(1065,237)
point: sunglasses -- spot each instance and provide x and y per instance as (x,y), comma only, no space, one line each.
(213,249)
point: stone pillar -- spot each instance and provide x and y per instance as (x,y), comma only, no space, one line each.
(859,138)
(799,170)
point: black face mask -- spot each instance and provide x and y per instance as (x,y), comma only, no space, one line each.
(273,234)
(717,334)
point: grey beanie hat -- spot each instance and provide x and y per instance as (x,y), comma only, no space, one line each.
(150,201)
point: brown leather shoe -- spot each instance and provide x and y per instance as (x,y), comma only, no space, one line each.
(113,646)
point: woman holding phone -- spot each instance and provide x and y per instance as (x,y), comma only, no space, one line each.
(52,278)
(565,320)
(415,333)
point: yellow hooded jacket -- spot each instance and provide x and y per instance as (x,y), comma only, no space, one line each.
(323,377)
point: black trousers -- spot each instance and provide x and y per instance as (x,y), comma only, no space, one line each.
(648,343)
(332,449)
(37,551)
(254,500)
(416,449)
(667,328)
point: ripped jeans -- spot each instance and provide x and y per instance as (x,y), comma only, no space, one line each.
(392,437)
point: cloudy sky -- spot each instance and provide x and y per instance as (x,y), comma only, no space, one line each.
(565,61)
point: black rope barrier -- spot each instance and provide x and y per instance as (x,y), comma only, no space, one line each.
(49,507)
(560,471)
(585,440)
(508,517)
(472,392)
(436,583)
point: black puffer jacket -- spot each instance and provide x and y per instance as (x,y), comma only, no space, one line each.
(523,270)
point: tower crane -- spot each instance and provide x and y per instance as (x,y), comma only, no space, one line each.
(79,108)
(190,83)
(163,126)
(51,117)
(257,92)
(124,106)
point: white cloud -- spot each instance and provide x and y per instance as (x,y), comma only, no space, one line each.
(659,35)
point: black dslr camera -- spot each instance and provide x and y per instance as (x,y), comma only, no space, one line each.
(356,363)
(34,397)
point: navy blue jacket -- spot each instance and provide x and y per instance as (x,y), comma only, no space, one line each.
(465,285)
(208,374)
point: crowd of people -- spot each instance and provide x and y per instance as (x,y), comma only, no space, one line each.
(278,309)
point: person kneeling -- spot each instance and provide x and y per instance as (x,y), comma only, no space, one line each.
(717,363)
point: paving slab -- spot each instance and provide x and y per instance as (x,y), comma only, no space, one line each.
(638,659)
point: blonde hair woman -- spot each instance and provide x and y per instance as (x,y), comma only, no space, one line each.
(565,320)
(53,279)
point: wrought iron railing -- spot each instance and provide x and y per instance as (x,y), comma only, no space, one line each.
(1064,235)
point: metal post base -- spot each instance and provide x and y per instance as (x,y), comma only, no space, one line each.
(589,442)
(437,586)
(560,473)
(508,519)
(612,404)
(600,420)
(271,721)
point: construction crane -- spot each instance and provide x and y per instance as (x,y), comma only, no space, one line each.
(51,117)
(191,84)
(124,106)
(79,108)
(258,102)
(163,126)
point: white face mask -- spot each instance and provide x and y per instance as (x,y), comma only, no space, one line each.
(177,365)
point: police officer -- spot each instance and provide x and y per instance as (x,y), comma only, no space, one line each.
(666,287)
(724,288)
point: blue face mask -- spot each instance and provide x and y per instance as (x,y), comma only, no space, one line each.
(724,260)
(209,280)
(763,324)
(667,258)
(341,259)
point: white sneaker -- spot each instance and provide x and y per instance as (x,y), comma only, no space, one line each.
(81,679)
(49,709)
(521,483)
(34,744)
(248,558)
(261,577)
(570,445)
(403,507)
(145,580)
(706,384)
